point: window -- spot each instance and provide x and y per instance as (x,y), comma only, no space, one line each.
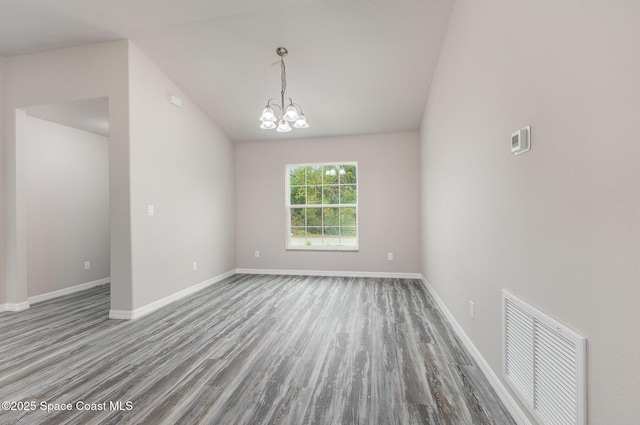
(322,206)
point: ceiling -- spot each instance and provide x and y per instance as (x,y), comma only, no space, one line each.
(355,66)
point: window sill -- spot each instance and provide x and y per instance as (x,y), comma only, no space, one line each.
(327,249)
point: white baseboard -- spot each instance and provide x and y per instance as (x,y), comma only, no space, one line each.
(14,306)
(66,291)
(387,275)
(121,314)
(151,307)
(505,396)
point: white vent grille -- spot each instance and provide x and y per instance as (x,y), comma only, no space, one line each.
(544,363)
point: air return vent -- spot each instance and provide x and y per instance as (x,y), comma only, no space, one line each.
(544,363)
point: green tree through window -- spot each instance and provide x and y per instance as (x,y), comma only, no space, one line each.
(322,206)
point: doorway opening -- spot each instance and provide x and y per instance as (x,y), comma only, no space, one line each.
(66,173)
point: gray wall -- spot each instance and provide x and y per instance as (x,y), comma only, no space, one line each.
(67,178)
(558,226)
(388,203)
(181,163)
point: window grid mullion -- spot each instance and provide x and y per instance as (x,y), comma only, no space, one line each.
(338,185)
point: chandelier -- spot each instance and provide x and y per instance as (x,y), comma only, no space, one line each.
(287,112)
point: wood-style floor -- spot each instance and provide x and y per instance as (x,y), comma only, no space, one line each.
(248,350)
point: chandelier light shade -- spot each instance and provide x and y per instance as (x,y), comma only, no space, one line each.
(285,111)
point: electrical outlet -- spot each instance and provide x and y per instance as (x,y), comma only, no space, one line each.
(87,265)
(472,310)
(390,256)
(256,254)
(150,209)
(195,266)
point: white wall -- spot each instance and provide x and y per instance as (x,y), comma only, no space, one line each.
(388,203)
(67,178)
(558,226)
(85,72)
(182,164)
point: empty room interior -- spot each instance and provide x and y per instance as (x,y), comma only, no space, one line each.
(320,212)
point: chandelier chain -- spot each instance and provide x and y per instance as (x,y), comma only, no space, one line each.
(283,76)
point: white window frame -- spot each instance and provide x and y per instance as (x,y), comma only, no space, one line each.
(288,206)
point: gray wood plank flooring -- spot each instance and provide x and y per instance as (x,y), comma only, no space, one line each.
(248,350)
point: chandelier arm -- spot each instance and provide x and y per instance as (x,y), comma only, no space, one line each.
(274,102)
(297,105)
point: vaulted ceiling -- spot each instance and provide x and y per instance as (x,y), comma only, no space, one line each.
(355,66)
